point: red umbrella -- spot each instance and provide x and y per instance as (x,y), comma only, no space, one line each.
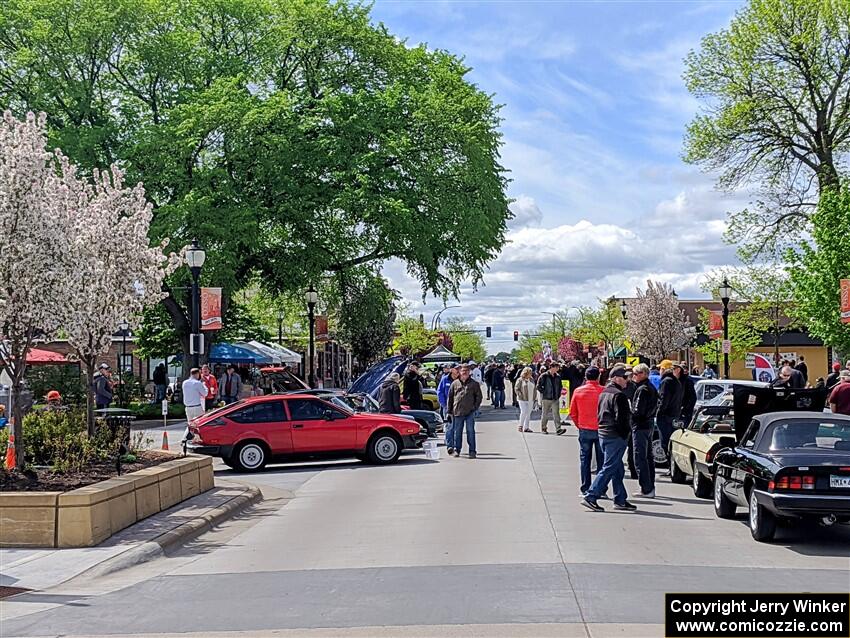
(41,357)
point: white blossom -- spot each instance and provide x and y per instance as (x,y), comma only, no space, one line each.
(656,323)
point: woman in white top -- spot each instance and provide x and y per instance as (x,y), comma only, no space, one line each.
(525,391)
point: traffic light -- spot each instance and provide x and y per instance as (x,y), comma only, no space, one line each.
(516,335)
(489,332)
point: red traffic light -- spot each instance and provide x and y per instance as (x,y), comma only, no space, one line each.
(516,335)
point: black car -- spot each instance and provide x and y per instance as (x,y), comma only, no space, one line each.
(787,465)
(429,421)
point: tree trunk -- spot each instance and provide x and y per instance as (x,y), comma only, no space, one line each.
(89,397)
(17,419)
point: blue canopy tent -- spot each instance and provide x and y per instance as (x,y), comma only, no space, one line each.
(231,353)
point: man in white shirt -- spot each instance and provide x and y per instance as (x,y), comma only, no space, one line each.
(194,395)
(475,372)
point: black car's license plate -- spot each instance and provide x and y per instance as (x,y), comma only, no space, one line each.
(839,481)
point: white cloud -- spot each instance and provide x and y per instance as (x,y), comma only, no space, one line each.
(526,212)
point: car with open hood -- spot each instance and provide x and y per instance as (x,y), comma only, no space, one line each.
(370,381)
(788,460)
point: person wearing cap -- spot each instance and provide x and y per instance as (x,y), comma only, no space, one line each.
(644,407)
(584,412)
(229,385)
(549,388)
(834,377)
(54,401)
(669,402)
(413,383)
(839,398)
(103,387)
(614,416)
(389,395)
(465,398)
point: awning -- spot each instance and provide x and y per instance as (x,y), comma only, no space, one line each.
(44,357)
(232,353)
(440,354)
(259,348)
(286,355)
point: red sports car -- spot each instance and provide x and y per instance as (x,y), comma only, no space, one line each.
(255,431)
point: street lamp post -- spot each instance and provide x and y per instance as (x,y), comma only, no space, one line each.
(312,298)
(125,326)
(435,321)
(725,293)
(195,257)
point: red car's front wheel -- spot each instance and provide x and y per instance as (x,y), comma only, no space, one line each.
(384,448)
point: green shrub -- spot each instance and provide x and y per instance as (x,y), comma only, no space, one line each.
(59,439)
(154,410)
(64,378)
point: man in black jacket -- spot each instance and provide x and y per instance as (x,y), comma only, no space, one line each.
(614,430)
(669,402)
(644,407)
(689,392)
(549,387)
(497,384)
(413,387)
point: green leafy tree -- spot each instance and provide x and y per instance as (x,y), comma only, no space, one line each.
(767,291)
(412,338)
(776,90)
(366,318)
(604,324)
(746,328)
(293,138)
(818,268)
(467,343)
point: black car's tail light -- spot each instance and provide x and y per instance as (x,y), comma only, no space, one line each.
(793,482)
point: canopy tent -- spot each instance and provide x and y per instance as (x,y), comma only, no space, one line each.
(44,357)
(259,348)
(233,353)
(440,354)
(286,355)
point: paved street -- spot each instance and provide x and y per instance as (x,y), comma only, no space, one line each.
(496,546)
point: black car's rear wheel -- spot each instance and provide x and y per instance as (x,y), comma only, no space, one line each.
(723,507)
(762,522)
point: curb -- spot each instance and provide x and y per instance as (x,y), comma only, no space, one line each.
(157,546)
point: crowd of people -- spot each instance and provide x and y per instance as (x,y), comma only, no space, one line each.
(615,409)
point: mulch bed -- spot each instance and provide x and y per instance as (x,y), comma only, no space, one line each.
(38,480)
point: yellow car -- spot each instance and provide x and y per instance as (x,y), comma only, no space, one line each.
(693,447)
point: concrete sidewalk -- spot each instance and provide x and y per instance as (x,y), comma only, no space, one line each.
(41,569)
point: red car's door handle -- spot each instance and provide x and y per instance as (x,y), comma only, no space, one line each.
(296,426)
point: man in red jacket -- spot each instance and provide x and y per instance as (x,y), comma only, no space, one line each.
(584,407)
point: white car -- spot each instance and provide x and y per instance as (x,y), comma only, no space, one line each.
(708,390)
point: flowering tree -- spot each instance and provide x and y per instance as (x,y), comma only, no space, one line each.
(656,324)
(569,349)
(116,273)
(34,196)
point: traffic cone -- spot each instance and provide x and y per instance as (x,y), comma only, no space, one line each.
(164,440)
(11,464)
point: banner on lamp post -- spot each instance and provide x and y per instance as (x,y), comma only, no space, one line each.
(321,327)
(715,324)
(211,309)
(845,301)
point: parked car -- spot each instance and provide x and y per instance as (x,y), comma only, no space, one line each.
(280,379)
(788,465)
(252,432)
(693,447)
(430,422)
(709,391)
(370,381)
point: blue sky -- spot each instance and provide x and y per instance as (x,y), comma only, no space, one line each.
(595,110)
